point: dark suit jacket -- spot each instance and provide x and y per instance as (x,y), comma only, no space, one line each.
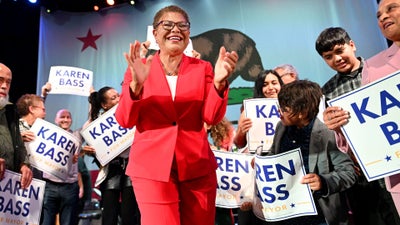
(20,153)
(335,167)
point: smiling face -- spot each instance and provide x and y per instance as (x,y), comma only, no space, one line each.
(174,41)
(388,16)
(342,58)
(63,119)
(271,86)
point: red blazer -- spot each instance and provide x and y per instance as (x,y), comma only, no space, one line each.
(168,130)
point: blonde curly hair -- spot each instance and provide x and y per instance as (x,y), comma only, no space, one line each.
(222,134)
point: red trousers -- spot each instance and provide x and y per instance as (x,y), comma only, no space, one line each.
(176,202)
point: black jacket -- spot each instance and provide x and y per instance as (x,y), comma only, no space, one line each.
(20,153)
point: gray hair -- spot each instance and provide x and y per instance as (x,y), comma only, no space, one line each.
(288,69)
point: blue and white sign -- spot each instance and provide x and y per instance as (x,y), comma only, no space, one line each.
(373,130)
(264,115)
(70,80)
(235,178)
(17,205)
(53,149)
(107,137)
(280,195)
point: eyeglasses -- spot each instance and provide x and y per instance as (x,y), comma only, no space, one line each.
(285,74)
(42,108)
(169,25)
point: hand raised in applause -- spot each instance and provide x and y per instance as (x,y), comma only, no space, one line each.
(224,67)
(137,67)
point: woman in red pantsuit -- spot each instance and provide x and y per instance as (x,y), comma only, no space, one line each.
(168,97)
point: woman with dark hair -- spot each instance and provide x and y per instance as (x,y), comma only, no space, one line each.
(267,85)
(169,96)
(114,184)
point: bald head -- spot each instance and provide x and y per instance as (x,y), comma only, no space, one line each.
(4,69)
(63,119)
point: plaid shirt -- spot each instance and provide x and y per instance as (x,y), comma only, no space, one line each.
(342,83)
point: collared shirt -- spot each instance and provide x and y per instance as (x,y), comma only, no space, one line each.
(342,83)
(300,138)
(23,125)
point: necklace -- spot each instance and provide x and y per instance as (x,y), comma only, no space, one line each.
(174,72)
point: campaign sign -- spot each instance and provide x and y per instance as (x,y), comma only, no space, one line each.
(70,80)
(373,130)
(264,115)
(235,178)
(17,205)
(53,148)
(107,136)
(279,195)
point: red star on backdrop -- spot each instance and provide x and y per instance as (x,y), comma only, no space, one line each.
(89,40)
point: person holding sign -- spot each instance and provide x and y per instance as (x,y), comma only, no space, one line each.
(62,195)
(329,171)
(168,97)
(338,51)
(222,135)
(267,85)
(30,107)
(385,63)
(115,185)
(376,67)
(12,151)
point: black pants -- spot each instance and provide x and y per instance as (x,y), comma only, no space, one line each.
(118,197)
(127,208)
(371,204)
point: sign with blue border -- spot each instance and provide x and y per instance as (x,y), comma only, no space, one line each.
(373,130)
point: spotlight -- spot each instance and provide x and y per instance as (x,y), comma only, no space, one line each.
(132,2)
(33,1)
(110,2)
